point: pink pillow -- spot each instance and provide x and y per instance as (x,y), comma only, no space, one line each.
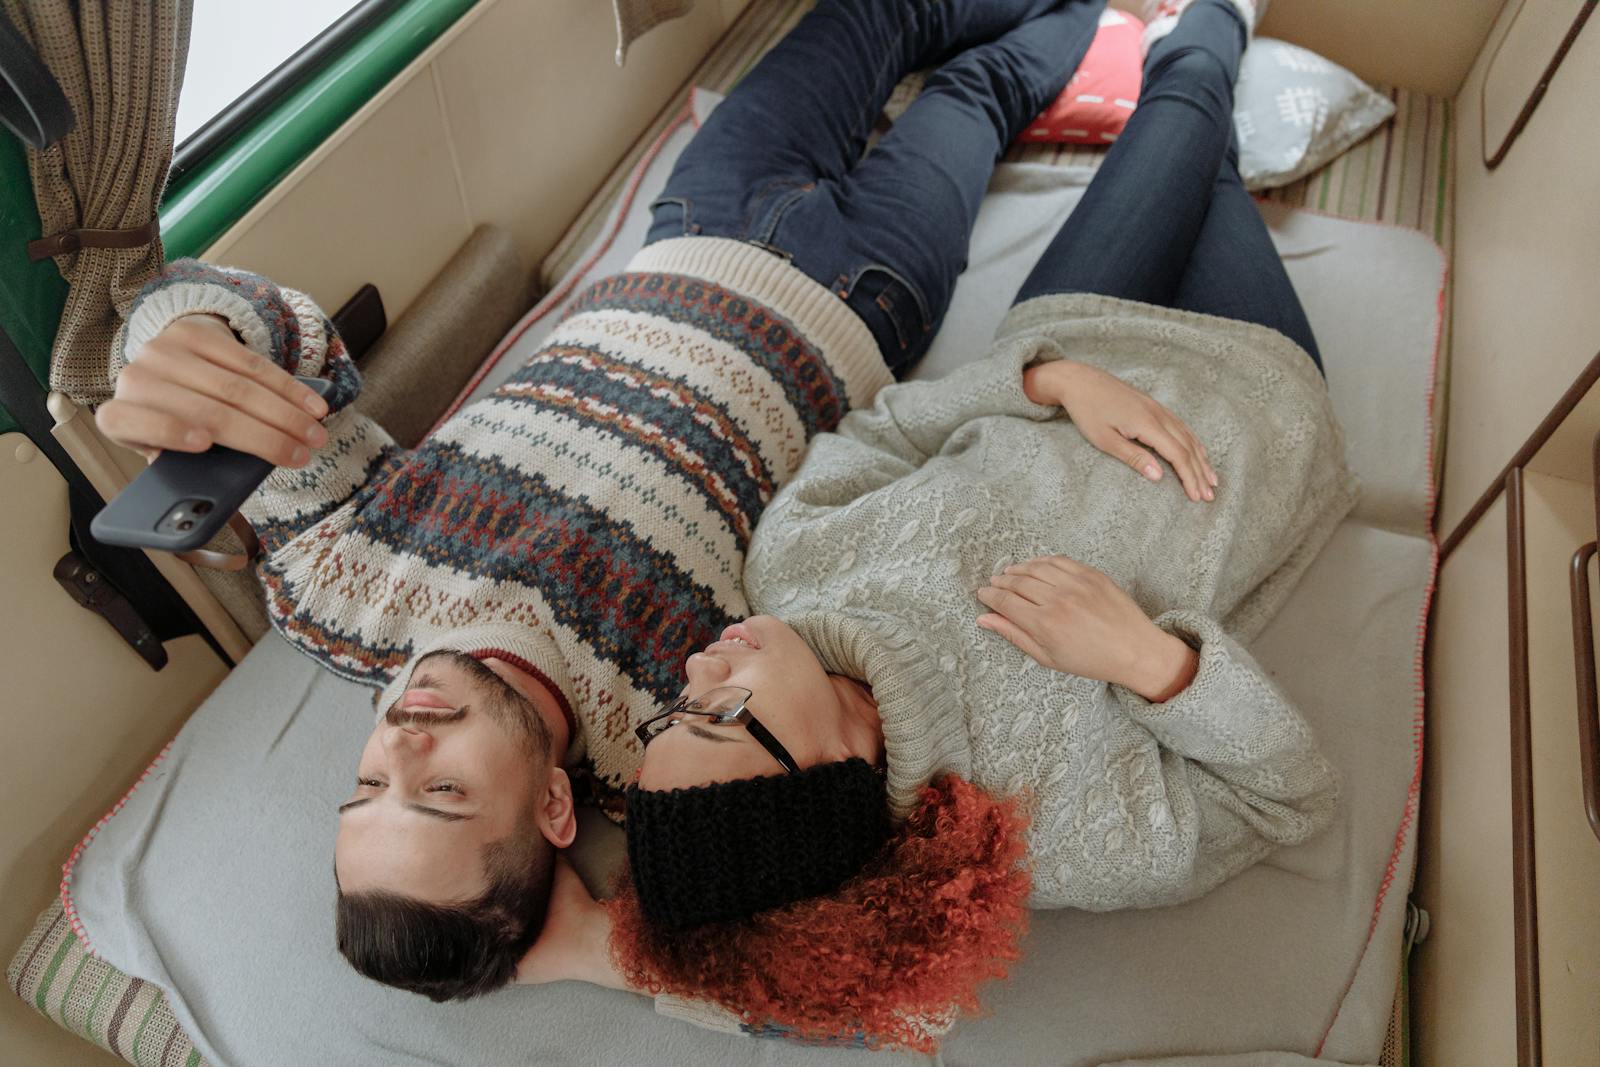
(1096,103)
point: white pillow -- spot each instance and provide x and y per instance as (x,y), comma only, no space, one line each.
(1294,111)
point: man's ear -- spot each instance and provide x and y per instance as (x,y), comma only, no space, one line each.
(558,818)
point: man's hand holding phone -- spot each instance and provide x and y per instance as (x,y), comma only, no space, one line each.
(194,385)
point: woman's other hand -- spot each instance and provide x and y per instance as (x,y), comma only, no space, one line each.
(574,943)
(1115,417)
(1072,618)
(194,385)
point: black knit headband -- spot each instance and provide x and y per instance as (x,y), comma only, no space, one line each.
(725,851)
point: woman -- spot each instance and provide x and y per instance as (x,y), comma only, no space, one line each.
(965,591)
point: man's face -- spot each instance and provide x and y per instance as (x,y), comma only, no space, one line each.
(456,764)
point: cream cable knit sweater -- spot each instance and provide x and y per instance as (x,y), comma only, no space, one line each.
(874,551)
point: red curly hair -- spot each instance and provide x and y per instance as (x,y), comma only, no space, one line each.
(901,946)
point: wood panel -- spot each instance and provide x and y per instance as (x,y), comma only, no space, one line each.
(82,716)
(1463,999)
(1524,318)
(1560,517)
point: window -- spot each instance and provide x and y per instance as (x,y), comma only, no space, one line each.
(242,58)
(233,46)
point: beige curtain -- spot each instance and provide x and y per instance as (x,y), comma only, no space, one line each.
(120,63)
(635,18)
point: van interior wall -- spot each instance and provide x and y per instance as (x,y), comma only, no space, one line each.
(1427,45)
(1525,322)
(513,117)
(82,715)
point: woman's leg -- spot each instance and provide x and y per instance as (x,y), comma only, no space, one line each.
(1132,233)
(1235,272)
(805,110)
(890,236)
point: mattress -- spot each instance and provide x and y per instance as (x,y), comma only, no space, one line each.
(1397,177)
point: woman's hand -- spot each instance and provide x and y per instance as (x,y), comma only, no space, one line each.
(194,385)
(1112,415)
(1072,618)
(574,944)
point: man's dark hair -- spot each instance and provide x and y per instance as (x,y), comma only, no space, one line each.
(453,951)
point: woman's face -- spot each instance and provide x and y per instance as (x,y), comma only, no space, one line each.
(816,716)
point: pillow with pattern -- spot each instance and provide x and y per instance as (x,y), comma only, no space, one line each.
(1097,102)
(1294,111)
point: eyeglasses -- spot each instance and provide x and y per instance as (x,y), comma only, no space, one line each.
(723,705)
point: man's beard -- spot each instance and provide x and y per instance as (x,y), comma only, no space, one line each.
(514,713)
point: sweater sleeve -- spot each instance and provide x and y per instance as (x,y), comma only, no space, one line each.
(288,328)
(1207,784)
(913,421)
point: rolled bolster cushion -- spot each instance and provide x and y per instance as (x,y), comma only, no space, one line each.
(728,850)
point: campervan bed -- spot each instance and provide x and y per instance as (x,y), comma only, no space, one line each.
(1300,956)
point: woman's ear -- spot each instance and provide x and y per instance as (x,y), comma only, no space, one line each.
(558,818)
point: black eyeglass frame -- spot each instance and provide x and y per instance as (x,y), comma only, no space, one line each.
(741,714)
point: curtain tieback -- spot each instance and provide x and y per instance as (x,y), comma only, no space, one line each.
(224,561)
(68,241)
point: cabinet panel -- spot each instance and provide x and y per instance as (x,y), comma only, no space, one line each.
(1559,518)
(82,716)
(1464,1002)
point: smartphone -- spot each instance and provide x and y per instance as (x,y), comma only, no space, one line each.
(180,501)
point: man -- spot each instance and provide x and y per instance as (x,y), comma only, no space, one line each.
(523,584)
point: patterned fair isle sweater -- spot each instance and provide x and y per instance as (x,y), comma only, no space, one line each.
(587,520)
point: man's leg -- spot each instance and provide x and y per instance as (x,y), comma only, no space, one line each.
(1235,271)
(890,236)
(1132,233)
(804,111)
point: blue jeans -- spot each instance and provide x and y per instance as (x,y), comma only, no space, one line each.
(1167,219)
(779,163)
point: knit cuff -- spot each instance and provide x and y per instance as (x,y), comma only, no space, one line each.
(285,326)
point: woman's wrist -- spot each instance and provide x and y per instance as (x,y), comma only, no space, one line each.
(1165,670)
(1046,383)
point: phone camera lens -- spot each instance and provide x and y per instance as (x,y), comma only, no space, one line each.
(186,524)
(201,507)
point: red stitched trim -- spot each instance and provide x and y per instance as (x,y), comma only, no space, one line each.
(558,296)
(1414,790)
(67,906)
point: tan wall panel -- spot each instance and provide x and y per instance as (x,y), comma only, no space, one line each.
(1426,45)
(82,716)
(382,206)
(1560,517)
(1525,318)
(538,124)
(1462,999)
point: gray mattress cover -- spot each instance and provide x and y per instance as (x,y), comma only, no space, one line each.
(214,881)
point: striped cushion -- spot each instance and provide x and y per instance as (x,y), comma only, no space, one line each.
(126,1016)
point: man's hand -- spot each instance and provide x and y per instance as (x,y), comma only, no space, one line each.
(195,385)
(1072,618)
(1112,415)
(574,944)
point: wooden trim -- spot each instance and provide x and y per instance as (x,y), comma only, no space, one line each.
(1588,705)
(1564,407)
(1540,87)
(1525,906)
(74,429)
